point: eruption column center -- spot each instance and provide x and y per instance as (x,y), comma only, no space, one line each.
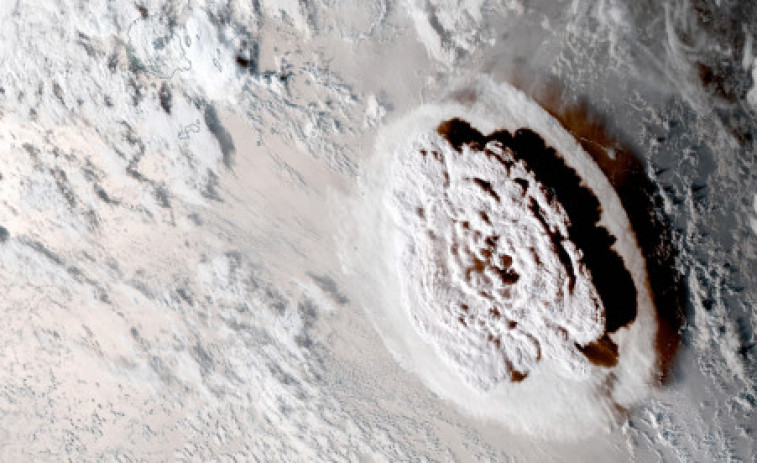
(498,272)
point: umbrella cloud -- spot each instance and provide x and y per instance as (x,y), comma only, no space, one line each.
(514,285)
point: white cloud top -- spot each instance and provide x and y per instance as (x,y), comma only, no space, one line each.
(485,280)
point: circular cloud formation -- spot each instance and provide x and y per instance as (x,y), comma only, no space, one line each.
(505,262)
(499,265)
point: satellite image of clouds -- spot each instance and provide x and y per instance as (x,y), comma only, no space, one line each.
(378,230)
